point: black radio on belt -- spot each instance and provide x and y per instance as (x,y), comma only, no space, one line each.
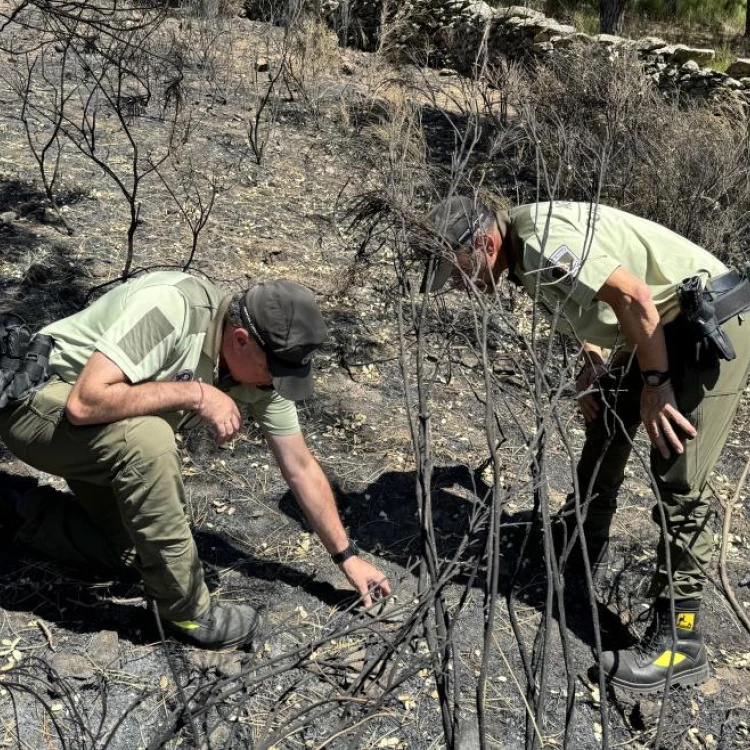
(707,307)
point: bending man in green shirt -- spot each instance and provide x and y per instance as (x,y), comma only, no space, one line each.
(151,356)
(611,280)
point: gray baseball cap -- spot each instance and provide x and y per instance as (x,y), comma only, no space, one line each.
(456,221)
(285,322)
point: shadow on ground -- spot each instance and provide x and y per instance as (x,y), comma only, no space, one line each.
(383,520)
(48,281)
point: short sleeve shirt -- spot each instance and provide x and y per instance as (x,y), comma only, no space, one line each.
(162,327)
(565,252)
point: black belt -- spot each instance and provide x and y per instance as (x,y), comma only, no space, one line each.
(730,294)
(707,306)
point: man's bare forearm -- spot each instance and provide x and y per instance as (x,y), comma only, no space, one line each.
(642,328)
(310,486)
(101,395)
(121,401)
(631,301)
(315,497)
(311,489)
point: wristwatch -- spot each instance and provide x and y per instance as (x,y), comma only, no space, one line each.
(351,551)
(655,378)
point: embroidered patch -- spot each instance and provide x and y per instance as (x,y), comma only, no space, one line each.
(563,268)
(183,376)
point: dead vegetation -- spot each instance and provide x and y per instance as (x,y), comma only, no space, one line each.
(605,133)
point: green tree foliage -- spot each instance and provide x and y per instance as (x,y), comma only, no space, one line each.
(704,12)
(699,12)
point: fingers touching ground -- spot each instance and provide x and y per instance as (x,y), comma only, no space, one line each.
(366,579)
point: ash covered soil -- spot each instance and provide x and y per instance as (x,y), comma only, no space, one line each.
(81,661)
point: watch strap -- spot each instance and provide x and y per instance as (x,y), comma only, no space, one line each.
(351,551)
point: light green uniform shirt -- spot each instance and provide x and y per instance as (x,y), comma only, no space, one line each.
(164,326)
(566,251)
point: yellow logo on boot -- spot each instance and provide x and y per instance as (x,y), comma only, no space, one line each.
(686,620)
(669,657)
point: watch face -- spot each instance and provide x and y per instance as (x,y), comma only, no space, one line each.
(655,378)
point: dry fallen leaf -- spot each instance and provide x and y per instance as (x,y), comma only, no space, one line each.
(408,701)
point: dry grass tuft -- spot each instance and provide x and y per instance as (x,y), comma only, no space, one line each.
(592,128)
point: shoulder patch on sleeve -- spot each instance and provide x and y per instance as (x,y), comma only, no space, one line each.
(563,268)
(145,335)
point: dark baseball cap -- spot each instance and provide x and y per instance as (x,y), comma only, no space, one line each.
(455,220)
(285,321)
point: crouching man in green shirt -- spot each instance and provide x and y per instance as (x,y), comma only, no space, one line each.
(613,278)
(147,358)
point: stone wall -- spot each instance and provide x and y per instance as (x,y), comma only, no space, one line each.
(452,33)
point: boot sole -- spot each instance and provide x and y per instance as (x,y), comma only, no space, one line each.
(689,678)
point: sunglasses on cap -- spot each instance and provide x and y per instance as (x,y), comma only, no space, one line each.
(440,268)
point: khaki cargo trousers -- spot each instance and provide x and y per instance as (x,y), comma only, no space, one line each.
(708,393)
(128,508)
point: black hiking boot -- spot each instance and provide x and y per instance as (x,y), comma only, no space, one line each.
(644,667)
(13,489)
(222,626)
(597,552)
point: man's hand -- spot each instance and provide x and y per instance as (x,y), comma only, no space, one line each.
(630,299)
(659,413)
(588,400)
(366,579)
(220,411)
(313,492)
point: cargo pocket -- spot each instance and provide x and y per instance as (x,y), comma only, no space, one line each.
(48,403)
(679,473)
(31,424)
